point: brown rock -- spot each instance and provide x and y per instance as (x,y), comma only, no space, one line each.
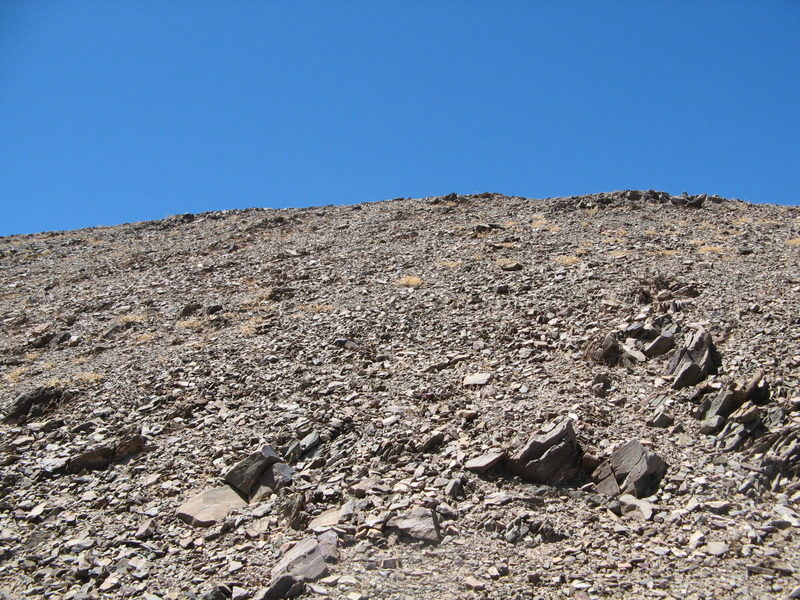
(209,507)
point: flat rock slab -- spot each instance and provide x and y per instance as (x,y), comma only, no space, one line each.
(210,507)
(483,463)
(477,379)
(324,521)
(419,523)
(304,562)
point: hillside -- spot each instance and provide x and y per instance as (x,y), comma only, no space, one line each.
(455,397)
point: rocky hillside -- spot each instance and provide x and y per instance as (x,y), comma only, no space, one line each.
(454,397)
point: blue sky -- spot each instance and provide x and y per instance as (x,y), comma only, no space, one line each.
(123,111)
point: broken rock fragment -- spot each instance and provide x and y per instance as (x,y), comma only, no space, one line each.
(632,469)
(551,456)
(244,477)
(481,464)
(304,562)
(32,404)
(419,523)
(209,507)
(694,361)
(477,379)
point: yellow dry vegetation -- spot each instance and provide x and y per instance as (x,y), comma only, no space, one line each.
(132,319)
(793,242)
(190,324)
(450,264)
(711,249)
(16,375)
(410,281)
(566,260)
(618,253)
(87,377)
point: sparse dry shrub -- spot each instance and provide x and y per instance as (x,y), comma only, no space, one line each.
(145,338)
(87,377)
(450,264)
(410,281)
(618,253)
(581,251)
(711,250)
(793,242)
(190,324)
(125,319)
(16,375)
(566,260)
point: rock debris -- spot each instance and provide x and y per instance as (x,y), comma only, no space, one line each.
(471,396)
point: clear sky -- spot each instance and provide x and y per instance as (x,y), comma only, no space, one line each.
(120,111)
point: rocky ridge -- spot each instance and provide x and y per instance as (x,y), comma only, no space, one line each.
(451,397)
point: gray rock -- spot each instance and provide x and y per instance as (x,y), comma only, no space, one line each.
(32,404)
(481,464)
(285,586)
(278,476)
(605,350)
(304,562)
(632,469)
(693,362)
(419,523)
(551,456)
(712,425)
(91,460)
(477,379)
(661,345)
(661,419)
(244,477)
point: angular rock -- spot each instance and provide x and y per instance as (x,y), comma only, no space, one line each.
(304,562)
(431,441)
(712,425)
(661,419)
(661,345)
(693,362)
(91,460)
(32,404)
(285,586)
(278,476)
(632,469)
(552,456)
(481,464)
(419,523)
(324,521)
(245,475)
(209,507)
(477,379)
(605,350)
(635,508)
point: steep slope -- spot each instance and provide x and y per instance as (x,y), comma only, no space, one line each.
(397,357)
